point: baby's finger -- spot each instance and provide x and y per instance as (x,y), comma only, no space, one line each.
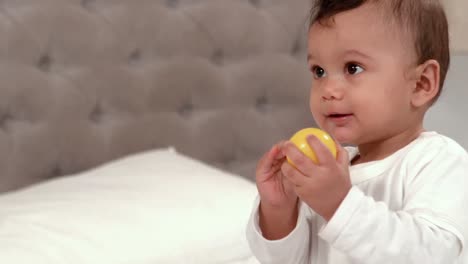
(271,157)
(303,163)
(293,175)
(324,156)
(288,187)
(266,162)
(280,155)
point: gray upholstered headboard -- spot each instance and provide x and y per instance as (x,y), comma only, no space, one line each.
(83,82)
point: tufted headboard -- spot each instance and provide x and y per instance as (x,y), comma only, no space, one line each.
(84,82)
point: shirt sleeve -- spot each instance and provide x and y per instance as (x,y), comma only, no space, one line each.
(292,249)
(430,228)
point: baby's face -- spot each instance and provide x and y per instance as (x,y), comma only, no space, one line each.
(361,68)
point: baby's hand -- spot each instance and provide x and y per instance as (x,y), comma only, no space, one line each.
(321,186)
(274,189)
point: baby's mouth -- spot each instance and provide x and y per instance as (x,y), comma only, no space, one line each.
(336,115)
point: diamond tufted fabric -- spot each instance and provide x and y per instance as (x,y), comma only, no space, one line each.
(83,82)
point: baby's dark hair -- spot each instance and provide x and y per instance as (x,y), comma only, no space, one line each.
(425,20)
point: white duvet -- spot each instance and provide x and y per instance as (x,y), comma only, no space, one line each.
(154,207)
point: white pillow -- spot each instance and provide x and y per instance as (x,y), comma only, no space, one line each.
(153,207)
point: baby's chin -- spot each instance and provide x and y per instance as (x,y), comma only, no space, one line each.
(345,141)
(343,137)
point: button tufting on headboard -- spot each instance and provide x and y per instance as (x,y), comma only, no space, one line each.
(5,119)
(255,3)
(89,5)
(45,63)
(96,115)
(83,82)
(262,104)
(172,3)
(186,109)
(55,172)
(297,48)
(135,57)
(218,57)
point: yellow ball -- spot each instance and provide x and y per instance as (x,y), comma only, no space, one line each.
(300,140)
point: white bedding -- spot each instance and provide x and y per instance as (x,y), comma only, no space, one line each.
(249,260)
(153,207)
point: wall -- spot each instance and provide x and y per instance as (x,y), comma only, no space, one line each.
(458,21)
(449,115)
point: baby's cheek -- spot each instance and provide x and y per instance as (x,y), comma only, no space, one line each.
(321,123)
(315,111)
(314,103)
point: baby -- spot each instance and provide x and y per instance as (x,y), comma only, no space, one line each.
(401,195)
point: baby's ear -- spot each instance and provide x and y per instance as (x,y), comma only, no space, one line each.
(427,83)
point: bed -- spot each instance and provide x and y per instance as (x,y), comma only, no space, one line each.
(130,130)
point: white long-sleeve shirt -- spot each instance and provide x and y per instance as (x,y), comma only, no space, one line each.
(411,207)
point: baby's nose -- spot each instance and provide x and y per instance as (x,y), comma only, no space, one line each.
(333,90)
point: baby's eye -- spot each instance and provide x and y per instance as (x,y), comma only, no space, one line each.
(353,68)
(318,72)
